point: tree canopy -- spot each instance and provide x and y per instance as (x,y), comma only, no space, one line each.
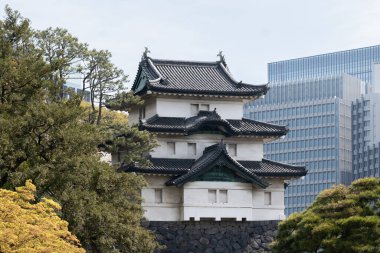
(341,219)
(30,226)
(46,138)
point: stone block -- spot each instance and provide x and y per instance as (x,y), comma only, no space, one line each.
(204,241)
(214,236)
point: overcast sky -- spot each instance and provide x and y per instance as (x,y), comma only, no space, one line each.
(250,33)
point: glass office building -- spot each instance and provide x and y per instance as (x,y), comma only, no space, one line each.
(313,96)
(72,88)
(366,136)
(318,113)
(356,62)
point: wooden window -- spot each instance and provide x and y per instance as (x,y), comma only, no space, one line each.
(191,149)
(232,149)
(223,198)
(267,198)
(158,195)
(194,109)
(170,148)
(211,196)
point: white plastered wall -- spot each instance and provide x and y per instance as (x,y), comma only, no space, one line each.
(196,205)
(275,211)
(247,148)
(180,107)
(244,201)
(150,110)
(169,209)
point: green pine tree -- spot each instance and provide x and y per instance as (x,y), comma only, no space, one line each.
(341,219)
(47,140)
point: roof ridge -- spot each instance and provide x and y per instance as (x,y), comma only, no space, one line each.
(228,74)
(185,62)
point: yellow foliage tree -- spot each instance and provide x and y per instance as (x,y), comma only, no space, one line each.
(27,226)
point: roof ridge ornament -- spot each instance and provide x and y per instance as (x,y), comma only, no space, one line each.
(222,59)
(145,53)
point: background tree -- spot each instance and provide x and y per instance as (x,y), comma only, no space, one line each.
(123,101)
(101,78)
(71,60)
(63,52)
(27,226)
(341,219)
(46,139)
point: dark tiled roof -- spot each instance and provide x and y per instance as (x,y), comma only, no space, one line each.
(191,77)
(270,168)
(213,156)
(167,166)
(183,170)
(212,121)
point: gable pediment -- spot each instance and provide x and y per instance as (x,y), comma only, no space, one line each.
(141,81)
(213,157)
(220,173)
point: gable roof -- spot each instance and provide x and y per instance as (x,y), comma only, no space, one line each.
(191,77)
(184,170)
(217,155)
(212,120)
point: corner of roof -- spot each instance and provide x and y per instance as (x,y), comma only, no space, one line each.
(222,59)
(145,54)
(300,167)
(135,82)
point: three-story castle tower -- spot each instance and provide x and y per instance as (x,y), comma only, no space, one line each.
(209,163)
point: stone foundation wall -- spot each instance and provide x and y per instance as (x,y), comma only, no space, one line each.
(214,236)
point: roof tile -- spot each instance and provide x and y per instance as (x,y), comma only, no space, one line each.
(186,168)
(243,127)
(212,78)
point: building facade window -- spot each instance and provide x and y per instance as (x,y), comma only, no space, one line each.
(191,149)
(223,196)
(211,196)
(142,112)
(158,196)
(232,149)
(204,107)
(217,196)
(195,108)
(170,148)
(267,198)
